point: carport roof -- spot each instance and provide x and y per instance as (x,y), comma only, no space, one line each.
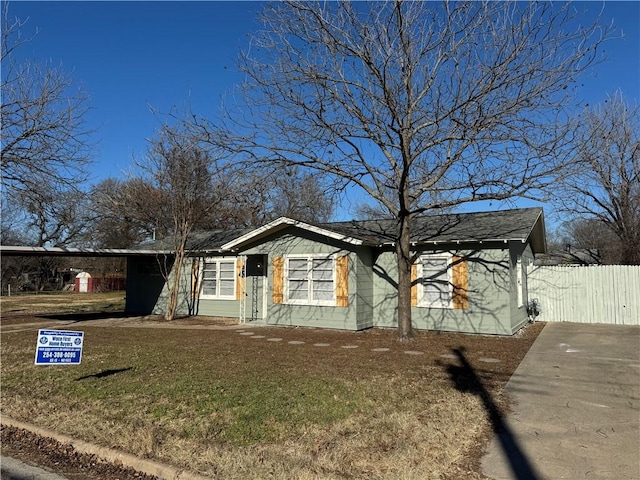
(14,250)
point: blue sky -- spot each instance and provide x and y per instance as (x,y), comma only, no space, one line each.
(132,55)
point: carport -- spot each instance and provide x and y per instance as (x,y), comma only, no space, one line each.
(134,258)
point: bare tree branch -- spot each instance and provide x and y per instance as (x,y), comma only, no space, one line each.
(46,146)
(420,105)
(605,180)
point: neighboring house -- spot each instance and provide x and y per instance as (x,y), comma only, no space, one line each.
(570,256)
(469,276)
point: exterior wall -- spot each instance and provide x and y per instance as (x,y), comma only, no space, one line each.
(355,316)
(144,285)
(231,308)
(488,309)
(520,256)
(363,294)
(493,306)
(218,308)
(184,297)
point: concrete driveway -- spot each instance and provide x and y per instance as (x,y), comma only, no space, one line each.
(577,407)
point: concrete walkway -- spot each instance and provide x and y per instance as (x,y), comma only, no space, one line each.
(577,407)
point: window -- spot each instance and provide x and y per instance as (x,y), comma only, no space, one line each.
(521,279)
(435,287)
(219,278)
(310,280)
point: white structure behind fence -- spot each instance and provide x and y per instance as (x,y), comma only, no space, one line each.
(594,294)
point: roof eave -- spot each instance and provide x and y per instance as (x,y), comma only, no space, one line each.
(13,250)
(538,235)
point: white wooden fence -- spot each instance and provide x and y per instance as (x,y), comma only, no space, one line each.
(594,294)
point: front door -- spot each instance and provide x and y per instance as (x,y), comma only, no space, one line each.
(256,285)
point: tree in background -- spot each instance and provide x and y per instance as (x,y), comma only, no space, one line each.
(45,143)
(127,213)
(420,105)
(587,240)
(259,195)
(602,193)
(53,218)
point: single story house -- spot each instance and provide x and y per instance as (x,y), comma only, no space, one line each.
(469,274)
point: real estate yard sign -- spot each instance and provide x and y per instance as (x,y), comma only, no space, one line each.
(59,347)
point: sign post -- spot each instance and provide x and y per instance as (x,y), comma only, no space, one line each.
(59,347)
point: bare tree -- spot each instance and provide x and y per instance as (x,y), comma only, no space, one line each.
(128,212)
(421,105)
(605,183)
(592,240)
(259,195)
(115,223)
(45,143)
(301,196)
(52,217)
(178,170)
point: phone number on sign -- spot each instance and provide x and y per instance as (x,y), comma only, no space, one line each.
(59,354)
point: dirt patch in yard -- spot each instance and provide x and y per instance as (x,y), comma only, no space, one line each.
(62,459)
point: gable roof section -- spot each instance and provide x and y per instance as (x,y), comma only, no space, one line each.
(284,222)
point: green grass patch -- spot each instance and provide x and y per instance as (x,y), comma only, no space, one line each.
(148,374)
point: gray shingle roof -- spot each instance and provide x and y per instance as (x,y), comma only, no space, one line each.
(503,225)
(516,224)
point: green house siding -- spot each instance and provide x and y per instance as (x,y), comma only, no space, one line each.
(185,303)
(493,304)
(156,303)
(219,308)
(519,251)
(145,284)
(362,292)
(488,310)
(356,316)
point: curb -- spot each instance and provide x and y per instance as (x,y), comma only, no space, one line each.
(161,470)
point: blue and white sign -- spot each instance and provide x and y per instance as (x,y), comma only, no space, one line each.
(59,347)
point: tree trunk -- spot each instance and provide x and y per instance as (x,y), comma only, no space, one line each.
(403,255)
(174,290)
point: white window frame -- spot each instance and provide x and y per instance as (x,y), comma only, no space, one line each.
(520,282)
(217,261)
(309,300)
(448,302)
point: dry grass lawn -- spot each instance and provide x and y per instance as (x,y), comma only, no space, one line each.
(235,406)
(59,302)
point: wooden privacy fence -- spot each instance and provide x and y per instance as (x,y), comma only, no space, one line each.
(594,294)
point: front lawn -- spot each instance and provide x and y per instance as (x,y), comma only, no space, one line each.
(229,405)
